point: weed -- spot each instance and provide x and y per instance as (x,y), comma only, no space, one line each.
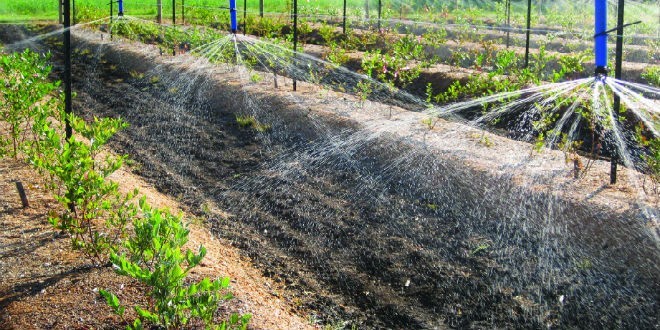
(246,121)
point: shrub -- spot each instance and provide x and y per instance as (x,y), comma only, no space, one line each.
(155,257)
(78,176)
(23,95)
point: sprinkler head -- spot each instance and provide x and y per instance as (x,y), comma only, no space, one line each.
(601,71)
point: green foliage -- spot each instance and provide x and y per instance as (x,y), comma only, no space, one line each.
(652,159)
(337,55)
(327,33)
(79,178)
(24,94)
(652,75)
(155,256)
(246,121)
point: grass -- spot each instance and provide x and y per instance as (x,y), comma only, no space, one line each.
(562,13)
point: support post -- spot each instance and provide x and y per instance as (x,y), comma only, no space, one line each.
(380,11)
(344,24)
(159,8)
(21,193)
(73,12)
(261,8)
(528,31)
(111,20)
(507,10)
(295,36)
(173,12)
(59,10)
(618,60)
(120,8)
(67,68)
(244,17)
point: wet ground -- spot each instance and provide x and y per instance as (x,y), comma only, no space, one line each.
(356,239)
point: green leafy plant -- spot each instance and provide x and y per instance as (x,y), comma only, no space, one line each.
(23,95)
(79,179)
(247,121)
(337,55)
(652,75)
(155,256)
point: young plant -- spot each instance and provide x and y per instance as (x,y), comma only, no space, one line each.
(79,179)
(23,94)
(652,75)
(155,256)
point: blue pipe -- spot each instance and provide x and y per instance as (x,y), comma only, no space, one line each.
(600,37)
(232,15)
(121,7)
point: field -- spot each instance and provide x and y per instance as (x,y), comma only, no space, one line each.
(420,171)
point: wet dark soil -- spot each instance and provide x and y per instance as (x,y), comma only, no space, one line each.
(374,234)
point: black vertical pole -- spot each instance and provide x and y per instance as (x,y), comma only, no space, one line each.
(159,9)
(173,12)
(618,59)
(295,37)
(261,8)
(344,24)
(67,68)
(111,1)
(529,27)
(508,21)
(73,9)
(244,17)
(380,9)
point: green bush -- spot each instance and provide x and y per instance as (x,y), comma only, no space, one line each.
(652,75)
(156,258)
(23,95)
(79,178)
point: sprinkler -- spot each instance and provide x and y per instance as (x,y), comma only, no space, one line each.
(232,16)
(120,12)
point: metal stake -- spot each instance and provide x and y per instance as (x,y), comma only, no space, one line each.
(508,22)
(618,60)
(67,68)
(295,37)
(529,26)
(344,24)
(159,17)
(380,9)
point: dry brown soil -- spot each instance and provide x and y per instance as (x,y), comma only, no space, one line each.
(46,285)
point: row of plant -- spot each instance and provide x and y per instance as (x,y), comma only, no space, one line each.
(93,212)
(398,63)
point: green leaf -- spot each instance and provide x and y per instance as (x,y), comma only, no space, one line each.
(145,314)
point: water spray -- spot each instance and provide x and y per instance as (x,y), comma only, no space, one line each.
(232,16)
(600,50)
